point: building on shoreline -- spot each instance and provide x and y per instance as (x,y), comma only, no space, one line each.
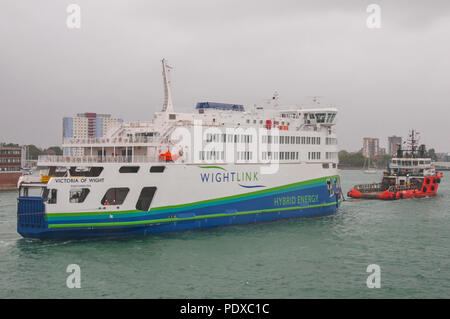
(371,147)
(11,158)
(394,142)
(86,126)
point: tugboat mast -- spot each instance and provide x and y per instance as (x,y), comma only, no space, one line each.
(413,141)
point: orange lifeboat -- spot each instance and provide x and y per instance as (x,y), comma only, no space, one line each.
(168,157)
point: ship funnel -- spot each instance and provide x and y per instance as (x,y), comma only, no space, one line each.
(168,105)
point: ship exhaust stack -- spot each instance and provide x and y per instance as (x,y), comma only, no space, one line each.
(168,105)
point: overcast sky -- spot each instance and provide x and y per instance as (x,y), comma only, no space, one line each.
(383,81)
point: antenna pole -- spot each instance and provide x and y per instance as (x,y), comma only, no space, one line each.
(168,105)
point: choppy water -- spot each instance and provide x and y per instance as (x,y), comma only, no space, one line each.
(322,257)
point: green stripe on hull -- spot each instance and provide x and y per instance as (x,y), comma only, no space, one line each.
(199,204)
(165,220)
(264,191)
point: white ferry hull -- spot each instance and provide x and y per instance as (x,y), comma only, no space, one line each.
(187,197)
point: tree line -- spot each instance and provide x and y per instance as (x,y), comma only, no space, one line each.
(33,151)
(358,160)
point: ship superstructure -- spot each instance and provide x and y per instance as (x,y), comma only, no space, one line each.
(222,164)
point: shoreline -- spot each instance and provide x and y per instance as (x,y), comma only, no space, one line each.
(8,187)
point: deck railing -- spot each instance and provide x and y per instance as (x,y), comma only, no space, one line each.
(116,140)
(369,188)
(399,188)
(50,159)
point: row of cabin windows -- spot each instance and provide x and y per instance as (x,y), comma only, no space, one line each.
(279,155)
(267,139)
(228,138)
(216,155)
(313,140)
(314,155)
(248,156)
(113,196)
(294,155)
(220,155)
(331,141)
(244,156)
(410,163)
(211,155)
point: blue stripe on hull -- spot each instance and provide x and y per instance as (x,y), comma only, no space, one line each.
(174,226)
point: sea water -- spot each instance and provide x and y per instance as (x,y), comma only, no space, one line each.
(320,257)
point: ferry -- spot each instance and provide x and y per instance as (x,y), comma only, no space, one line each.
(222,164)
(411,174)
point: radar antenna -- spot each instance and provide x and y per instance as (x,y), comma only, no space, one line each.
(316,99)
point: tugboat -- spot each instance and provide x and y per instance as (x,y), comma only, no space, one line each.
(410,174)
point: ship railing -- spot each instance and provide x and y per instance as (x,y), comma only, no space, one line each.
(69,160)
(109,140)
(399,188)
(369,188)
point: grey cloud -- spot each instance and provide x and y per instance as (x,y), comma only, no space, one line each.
(383,81)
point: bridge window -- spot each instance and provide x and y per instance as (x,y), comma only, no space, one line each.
(145,198)
(320,117)
(115,196)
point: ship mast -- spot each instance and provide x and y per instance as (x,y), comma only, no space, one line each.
(413,141)
(168,105)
